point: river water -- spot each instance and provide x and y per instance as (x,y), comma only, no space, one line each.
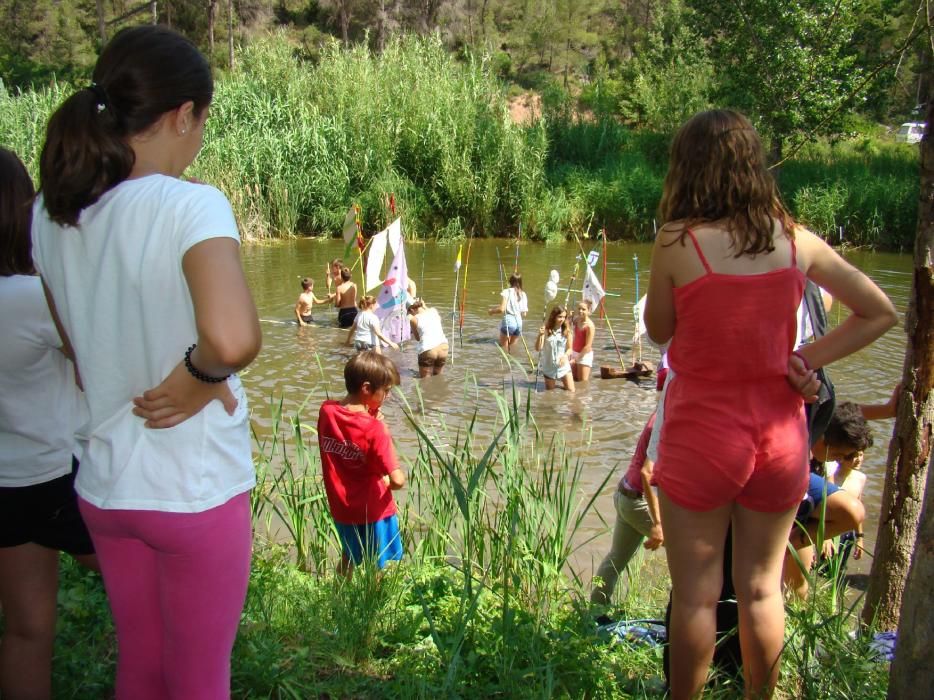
(600,422)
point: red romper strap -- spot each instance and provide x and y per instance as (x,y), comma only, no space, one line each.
(699,253)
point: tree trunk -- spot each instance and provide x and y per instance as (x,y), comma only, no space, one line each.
(230,25)
(101,26)
(212,11)
(910,448)
(344,15)
(155,12)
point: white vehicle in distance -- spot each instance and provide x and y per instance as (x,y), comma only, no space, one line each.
(910,132)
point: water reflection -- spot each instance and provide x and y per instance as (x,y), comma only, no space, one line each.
(600,422)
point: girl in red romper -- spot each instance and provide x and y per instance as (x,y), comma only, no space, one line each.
(728,270)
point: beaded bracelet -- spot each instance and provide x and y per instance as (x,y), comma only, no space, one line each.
(197,373)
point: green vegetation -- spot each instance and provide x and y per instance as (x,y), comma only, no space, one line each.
(292,143)
(484,603)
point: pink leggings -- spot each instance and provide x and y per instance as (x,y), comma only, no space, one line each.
(176,584)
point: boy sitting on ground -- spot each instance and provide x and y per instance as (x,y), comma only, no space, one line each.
(360,465)
(846,437)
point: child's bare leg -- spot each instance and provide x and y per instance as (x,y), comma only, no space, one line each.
(794,579)
(28,587)
(568,380)
(583,373)
(759,544)
(504,342)
(345,568)
(694,545)
(549,383)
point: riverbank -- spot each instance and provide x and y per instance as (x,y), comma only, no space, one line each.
(482,604)
(292,144)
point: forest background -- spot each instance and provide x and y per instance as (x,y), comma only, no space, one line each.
(490,116)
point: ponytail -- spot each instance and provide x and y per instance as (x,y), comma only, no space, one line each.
(16,195)
(83,157)
(142,73)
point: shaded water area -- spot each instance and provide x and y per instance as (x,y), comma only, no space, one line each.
(600,423)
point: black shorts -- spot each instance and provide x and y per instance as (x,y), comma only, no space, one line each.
(346,316)
(46,514)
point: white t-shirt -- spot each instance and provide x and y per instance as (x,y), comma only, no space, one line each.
(430,332)
(366,321)
(517,302)
(122,297)
(40,404)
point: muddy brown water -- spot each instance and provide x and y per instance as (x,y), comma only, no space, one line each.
(600,422)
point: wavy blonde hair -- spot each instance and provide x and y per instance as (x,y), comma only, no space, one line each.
(717,170)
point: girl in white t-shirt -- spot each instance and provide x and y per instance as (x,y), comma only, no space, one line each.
(40,410)
(365,333)
(513,306)
(144,278)
(432,348)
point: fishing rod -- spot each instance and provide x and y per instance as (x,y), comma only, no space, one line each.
(457,277)
(609,294)
(607,316)
(518,236)
(460,327)
(603,280)
(637,336)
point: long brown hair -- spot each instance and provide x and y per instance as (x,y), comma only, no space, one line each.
(551,323)
(717,170)
(16,195)
(142,73)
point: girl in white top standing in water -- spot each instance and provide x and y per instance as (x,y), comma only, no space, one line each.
(143,276)
(513,307)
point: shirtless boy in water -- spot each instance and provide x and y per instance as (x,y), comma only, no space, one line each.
(345,299)
(306,301)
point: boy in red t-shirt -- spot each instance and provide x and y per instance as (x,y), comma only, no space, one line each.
(359,463)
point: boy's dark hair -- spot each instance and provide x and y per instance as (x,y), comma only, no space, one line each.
(16,195)
(142,73)
(307,283)
(848,428)
(370,366)
(345,273)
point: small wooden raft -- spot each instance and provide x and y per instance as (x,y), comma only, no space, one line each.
(634,371)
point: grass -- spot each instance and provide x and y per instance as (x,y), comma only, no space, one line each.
(484,603)
(292,143)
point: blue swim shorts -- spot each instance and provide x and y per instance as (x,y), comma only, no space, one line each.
(380,541)
(811,504)
(511,325)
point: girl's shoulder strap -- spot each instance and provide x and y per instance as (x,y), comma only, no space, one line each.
(697,247)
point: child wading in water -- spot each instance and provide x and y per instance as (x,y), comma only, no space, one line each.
(554,343)
(365,333)
(584,331)
(306,301)
(359,463)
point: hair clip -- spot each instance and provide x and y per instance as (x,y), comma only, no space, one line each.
(101,96)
